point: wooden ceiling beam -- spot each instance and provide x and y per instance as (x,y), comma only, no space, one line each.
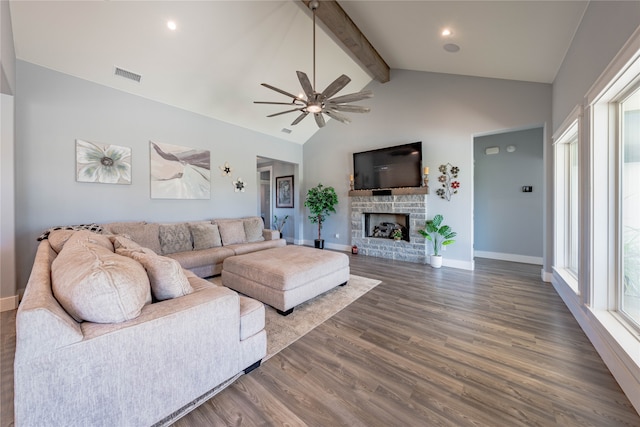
(338,22)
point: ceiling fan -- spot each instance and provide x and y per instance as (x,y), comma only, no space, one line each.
(318,103)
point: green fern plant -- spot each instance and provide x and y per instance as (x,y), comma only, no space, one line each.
(439,235)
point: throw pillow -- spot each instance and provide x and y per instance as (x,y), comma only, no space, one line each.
(205,236)
(96,285)
(58,238)
(232,232)
(253,229)
(166,276)
(175,238)
(145,234)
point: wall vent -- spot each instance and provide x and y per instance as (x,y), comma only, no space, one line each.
(128,74)
(285,130)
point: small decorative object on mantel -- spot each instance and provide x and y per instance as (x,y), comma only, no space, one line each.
(239,185)
(351,182)
(226,169)
(425,179)
(448,180)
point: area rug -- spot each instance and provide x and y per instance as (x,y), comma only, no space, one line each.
(282,331)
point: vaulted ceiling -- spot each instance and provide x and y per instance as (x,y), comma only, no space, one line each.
(220,52)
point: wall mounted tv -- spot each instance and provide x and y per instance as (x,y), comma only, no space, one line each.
(390,167)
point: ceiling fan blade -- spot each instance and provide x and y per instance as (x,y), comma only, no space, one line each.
(306,84)
(339,117)
(277,103)
(336,86)
(352,97)
(284,112)
(290,95)
(319,120)
(299,118)
(348,108)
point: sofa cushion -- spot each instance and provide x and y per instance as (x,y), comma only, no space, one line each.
(175,238)
(195,259)
(145,234)
(165,274)
(94,284)
(205,235)
(253,229)
(58,238)
(232,231)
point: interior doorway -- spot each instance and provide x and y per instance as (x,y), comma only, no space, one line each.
(265,184)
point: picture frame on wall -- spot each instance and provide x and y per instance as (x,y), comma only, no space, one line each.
(284,191)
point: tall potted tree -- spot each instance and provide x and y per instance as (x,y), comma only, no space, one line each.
(439,236)
(321,202)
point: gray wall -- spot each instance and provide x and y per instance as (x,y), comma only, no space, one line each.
(508,221)
(7,51)
(444,112)
(54,109)
(604,29)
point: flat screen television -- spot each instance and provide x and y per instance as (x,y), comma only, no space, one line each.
(390,167)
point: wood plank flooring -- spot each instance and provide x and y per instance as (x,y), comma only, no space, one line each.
(427,347)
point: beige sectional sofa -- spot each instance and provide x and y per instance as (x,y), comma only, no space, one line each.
(201,246)
(155,350)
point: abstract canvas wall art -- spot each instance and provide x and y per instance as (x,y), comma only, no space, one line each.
(106,164)
(179,172)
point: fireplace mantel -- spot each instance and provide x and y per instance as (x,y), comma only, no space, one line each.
(404,191)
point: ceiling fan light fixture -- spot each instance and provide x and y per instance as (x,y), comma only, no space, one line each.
(319,103)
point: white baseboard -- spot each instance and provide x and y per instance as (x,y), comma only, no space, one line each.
(9,303)
(455,263)
(509,257)
(546,276)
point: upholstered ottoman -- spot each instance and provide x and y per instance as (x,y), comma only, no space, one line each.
(287,276)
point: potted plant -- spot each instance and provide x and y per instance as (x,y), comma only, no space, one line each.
(320,201)
(278,223)
(439,236)
(396,234)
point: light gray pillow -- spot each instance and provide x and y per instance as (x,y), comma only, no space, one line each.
(145,234)
(232,232)
(253,229)
(96,285)
(166,276)
(175,238)
(205,236)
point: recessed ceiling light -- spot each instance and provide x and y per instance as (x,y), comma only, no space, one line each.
(446,32)
(172,25)
(451,47)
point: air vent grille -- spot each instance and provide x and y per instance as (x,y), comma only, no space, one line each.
(128,74)
(285,130)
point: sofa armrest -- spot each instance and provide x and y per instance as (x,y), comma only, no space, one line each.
(42,325)
(270,234)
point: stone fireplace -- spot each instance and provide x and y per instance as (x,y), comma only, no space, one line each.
(373,217)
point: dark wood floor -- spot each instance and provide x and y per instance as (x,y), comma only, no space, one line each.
(427,347)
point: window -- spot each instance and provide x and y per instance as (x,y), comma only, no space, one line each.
(614,112)
(629,280)
(567,243)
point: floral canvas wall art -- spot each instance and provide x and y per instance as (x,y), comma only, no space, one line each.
(179,172)
(106,164)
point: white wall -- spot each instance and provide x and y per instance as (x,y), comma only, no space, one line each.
(508,222)
(54,109)
(605,27)
(444,112)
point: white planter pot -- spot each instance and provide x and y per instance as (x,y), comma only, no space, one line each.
(436,261)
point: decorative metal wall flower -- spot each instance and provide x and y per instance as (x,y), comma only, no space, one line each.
(238,185)
(448,181)
(226,169)
(107,164)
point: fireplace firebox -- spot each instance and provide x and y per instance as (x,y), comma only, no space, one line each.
(382,225)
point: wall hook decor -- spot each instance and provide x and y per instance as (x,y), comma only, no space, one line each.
(448,180)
